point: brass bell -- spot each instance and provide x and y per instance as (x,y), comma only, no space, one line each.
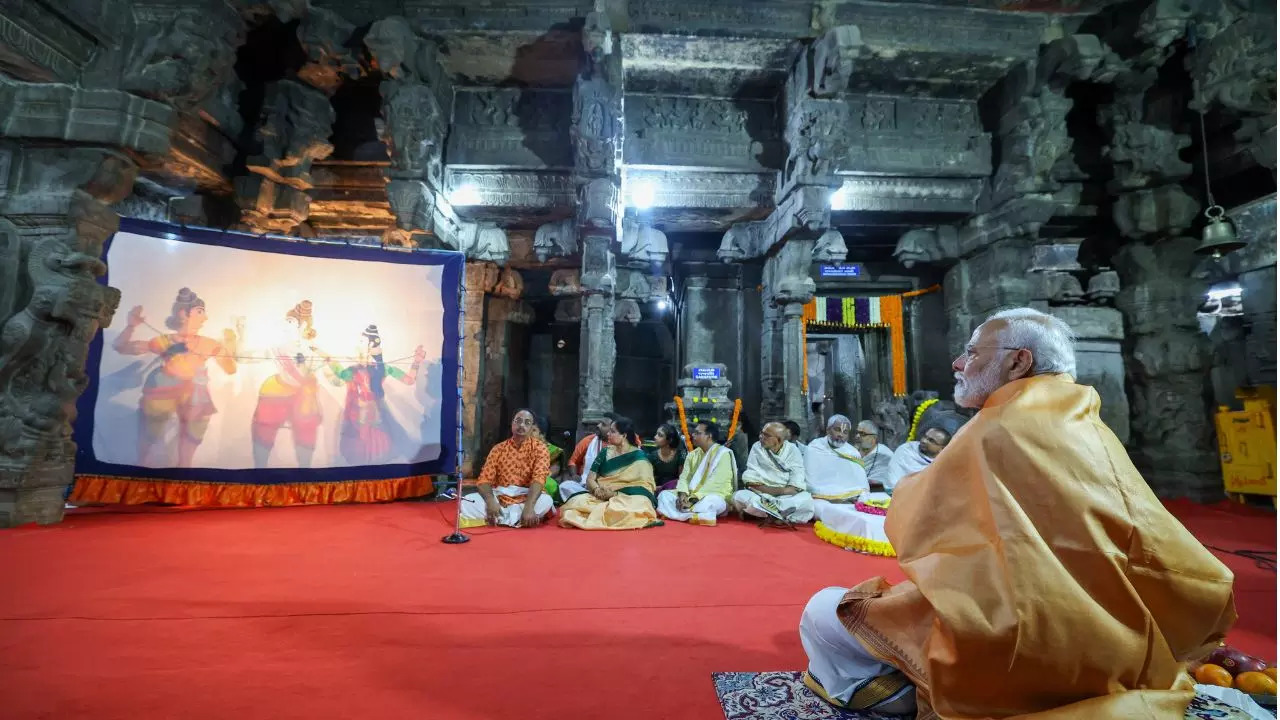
(1219,236)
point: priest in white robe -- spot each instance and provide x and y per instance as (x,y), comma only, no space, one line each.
(833,467)
(775,479)
(916,455)
(876,456)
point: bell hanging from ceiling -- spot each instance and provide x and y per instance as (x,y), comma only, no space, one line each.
(1219,236)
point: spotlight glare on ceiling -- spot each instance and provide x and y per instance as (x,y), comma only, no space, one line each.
(465,195)
(643,194)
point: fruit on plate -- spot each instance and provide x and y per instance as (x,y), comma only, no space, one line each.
(1234,661)
(1255,683)
(1210,674)
(1270,672)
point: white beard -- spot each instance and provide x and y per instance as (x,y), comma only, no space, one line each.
(973,392)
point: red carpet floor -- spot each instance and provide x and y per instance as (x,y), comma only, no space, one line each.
(361,612)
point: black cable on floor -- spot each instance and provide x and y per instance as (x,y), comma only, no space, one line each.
(1265,559)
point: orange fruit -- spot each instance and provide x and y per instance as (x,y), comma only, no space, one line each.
(1255,683)
(1210,674)
(1270,672)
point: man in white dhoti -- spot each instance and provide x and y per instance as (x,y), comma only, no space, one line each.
(775,476)
(833,467)
(509,491)
(912,457)
(584,456)
(875,456)
(706,482)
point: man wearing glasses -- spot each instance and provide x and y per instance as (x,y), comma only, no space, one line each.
(702,494)
(509,491)
(1043,576)
(875,456)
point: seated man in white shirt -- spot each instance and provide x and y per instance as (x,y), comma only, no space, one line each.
(875,455)
(833,467)
(916,455)
(775,478)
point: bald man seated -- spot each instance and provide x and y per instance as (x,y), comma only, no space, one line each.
(775,479)
(1043,576)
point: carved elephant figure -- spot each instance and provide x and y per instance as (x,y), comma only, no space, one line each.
(924,245)
(1061,288)
(627,311)
(485,243)
(555,239)
(1103,287)
(642,242)
(830,247)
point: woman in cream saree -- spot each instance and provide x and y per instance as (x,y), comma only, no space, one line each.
(620,489)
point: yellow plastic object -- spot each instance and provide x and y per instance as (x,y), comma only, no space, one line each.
(1247,443)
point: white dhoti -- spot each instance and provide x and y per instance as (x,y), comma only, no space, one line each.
(703,512)
(853,528)
(834,472)
(797,508)
(839,663)
(569,488)
(472,510)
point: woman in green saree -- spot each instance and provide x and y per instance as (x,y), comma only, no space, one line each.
(620,489)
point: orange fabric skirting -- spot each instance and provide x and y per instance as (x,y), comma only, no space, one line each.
(103,490)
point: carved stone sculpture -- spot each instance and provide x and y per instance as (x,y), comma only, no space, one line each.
(296,124)
(564,282)
(627,311)
(595,126)
(556,239)
(1062,288)
(324,35)
(510,284)
(597,204)
(834,55)
(642,242)
(412,130)
(183,56)
(1167,209)
(482,242)
(830,247)
(927,245)
(1144,155)
(413,204)
(57,218)
(1103,288)
(1237,67)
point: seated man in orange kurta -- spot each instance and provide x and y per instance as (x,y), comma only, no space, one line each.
(1043,575)
(509,491)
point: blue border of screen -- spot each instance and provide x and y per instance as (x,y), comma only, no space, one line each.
(453,264)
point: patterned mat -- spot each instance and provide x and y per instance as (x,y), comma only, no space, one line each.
(783,696)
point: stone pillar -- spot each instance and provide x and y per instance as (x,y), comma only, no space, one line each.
(81,104)
(597,132)
(503,310)
(54,219)
(482,278)
(1255,267)
(597,352)
(787,287)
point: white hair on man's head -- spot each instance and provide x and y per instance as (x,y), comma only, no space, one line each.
(1051,341)
(869,427)
(839,419)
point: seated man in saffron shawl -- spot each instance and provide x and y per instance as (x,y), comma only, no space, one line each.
(833,466)
(915,455)
(509,491)
(706,482)
(1043,575)
(619,494)
(775,479)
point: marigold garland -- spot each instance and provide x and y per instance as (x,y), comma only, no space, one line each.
(915,421)
(684,423)
(891,317)
(853,542)
(733,424)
